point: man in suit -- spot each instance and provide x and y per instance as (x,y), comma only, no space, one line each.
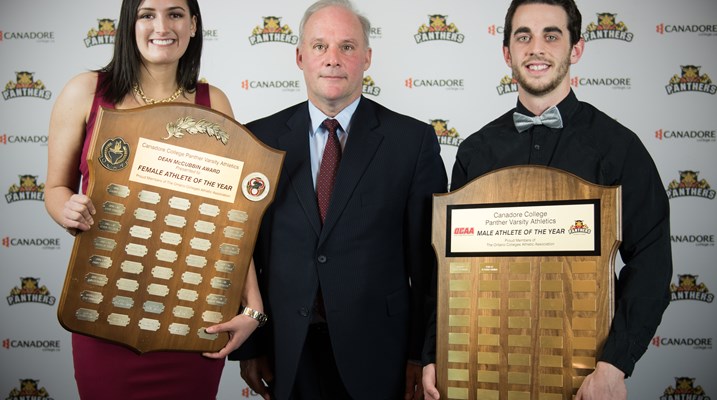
(345,296)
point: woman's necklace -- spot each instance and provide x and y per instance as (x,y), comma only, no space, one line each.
(138,91)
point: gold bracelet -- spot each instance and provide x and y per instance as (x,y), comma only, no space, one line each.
(257,315)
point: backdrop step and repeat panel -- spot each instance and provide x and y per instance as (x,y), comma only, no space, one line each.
(648,64)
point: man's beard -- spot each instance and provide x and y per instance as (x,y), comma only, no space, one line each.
(541,90)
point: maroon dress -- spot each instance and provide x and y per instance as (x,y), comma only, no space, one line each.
(109,371)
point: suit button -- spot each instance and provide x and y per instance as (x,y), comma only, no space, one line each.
(304,312)
(322,259)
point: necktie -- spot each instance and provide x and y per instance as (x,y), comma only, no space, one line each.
(550,118)
(329,166)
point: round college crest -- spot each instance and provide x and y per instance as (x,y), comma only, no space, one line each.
(114,154)
(255,186)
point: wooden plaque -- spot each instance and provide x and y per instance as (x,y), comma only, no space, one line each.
(180,191)
(525,283)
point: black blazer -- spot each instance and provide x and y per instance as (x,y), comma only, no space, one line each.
(372,259)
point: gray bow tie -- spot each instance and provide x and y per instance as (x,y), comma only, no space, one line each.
(550,118)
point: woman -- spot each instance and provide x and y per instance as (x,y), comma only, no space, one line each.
(156,59)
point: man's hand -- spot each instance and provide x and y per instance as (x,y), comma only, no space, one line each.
(607,382)
(414,388)
(259,375)
(429,382)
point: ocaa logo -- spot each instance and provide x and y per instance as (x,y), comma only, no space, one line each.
(507,85)
(446,136)
(690,185)
(607,28)
(438,29)
(272,31)
(30,291)
(464,231)
(104,34)
(25,85)
(690,80)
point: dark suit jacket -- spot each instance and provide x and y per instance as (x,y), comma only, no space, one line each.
(372,259)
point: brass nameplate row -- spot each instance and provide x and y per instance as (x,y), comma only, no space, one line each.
(179,191)
(525,283)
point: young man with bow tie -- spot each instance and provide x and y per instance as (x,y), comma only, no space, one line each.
(549,126)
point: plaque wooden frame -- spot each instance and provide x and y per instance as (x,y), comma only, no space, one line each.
(180,190)
(520,324)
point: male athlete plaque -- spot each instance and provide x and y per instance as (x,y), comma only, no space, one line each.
(180,191)
(525,288)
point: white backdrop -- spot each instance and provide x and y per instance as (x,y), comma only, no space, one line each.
(455,81)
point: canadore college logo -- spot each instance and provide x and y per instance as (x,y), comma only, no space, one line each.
(272,31)
(369,86)
(25,85)
(607,28)
(687,288)
(690,80)
(579,227)
(28,189)
(507,85)
(29,390)
(445,135)
(690,185)
(438,29)
(30,291)
(104,34)
(684,389)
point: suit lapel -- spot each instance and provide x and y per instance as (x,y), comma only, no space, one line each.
(363,141)
(297,163)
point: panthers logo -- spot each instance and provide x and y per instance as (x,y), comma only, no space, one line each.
(508,80)
(688,283)
(440,126)
(28,387)
(437,23)
(684,385)
(105,27)
(606,22)
(271,25)
(689,179)
(28,183)
(368,81)
(24,80)
(690,74)
(29,285)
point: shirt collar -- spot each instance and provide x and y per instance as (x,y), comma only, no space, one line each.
(344,116)
(566,107)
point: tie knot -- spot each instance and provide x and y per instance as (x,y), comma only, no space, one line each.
(331,125)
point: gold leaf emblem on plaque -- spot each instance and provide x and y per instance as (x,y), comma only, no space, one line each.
(195,127)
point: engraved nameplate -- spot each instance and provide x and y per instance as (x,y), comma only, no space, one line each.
(200,244)
(118,190)
(237,216)
(183,312)
(153,307)
(149,324)
(204,335)
(100,261)
(224,266)
(128,285)
(109,226)
(131,267)
(178,329)
(113,208)
(170,238)
(166,255)
(137,250)
(156,289)
(208,209)
(212,316)
(233,233)
(216,299)
(162,272)
(176,221)
(96,279)
(90,296)
(204,227)
(220,283)
(191,278)
(144,214)
(180,203)
(196,261)
(146,196)
(104,243)
(229,249)
(123,302)
(85,314)
(188,295)
(118,319)
(141,232)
